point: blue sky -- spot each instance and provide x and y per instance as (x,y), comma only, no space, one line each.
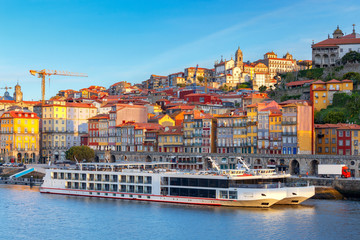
(115,41)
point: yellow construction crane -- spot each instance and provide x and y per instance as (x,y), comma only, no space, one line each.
(43,73)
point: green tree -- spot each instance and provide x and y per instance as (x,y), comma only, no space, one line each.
(351,57)
(243,85)
(354,76)
(81,153)
(289,77)
(224,88)
(200,79)
(335,117)
(262,88)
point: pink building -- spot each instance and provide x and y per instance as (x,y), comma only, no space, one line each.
(127,112)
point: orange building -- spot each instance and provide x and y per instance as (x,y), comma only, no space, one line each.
(322,93)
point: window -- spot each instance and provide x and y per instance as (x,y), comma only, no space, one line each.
(341,143)
(333,150)
(347,143)
(333,140)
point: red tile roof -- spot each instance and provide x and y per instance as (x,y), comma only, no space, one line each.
(298,83)
(333,42)
(333,81)
(20,114)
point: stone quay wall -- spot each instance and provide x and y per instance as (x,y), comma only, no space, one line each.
(293,164)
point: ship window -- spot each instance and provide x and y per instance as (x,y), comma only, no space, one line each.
(131,179)
(107,178)
(203,182)
(114,178)
(223,194)
(123,178)
(148,180)
(140,179)
(232,195)
(140,189)
(55,175)
(83,177)
(123,188)
(193,182)
(62,175)
(131,188)
(190,192)
(148,190)
(114,187)
(175,181)
(98,186)
(83,186)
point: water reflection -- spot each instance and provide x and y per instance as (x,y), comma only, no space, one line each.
(28,214)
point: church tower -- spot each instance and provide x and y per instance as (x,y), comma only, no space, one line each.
(239,59)
(18,95)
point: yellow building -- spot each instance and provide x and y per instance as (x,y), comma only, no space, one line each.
(54,130)
(239,133)
(19,136)
(170,140)
(355,139)
(252,115)
(275,130)
(326,139)
(322,93)
(164,120)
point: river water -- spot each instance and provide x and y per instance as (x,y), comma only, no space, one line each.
(27,214)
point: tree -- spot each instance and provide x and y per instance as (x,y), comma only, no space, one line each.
(351,57)
(224,88)
(334,117)
(243,85)
(354,76)
(289,77)
(262,88)
(81,153)
(200,79)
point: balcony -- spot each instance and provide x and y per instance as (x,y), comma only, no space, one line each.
(289,133)
(288,122)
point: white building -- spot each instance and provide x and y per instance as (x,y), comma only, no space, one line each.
(326,53)
(77,115)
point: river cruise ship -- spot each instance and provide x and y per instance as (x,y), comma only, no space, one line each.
(159,182)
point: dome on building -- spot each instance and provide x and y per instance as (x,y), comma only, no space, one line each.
(338,33)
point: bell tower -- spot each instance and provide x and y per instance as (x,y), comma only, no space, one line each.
(18,95)
(239,58)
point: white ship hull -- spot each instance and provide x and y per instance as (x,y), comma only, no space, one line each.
(296,195)
(260,203)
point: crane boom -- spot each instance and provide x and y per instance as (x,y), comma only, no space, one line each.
(43,73)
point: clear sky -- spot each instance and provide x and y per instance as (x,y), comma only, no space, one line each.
(115,41)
